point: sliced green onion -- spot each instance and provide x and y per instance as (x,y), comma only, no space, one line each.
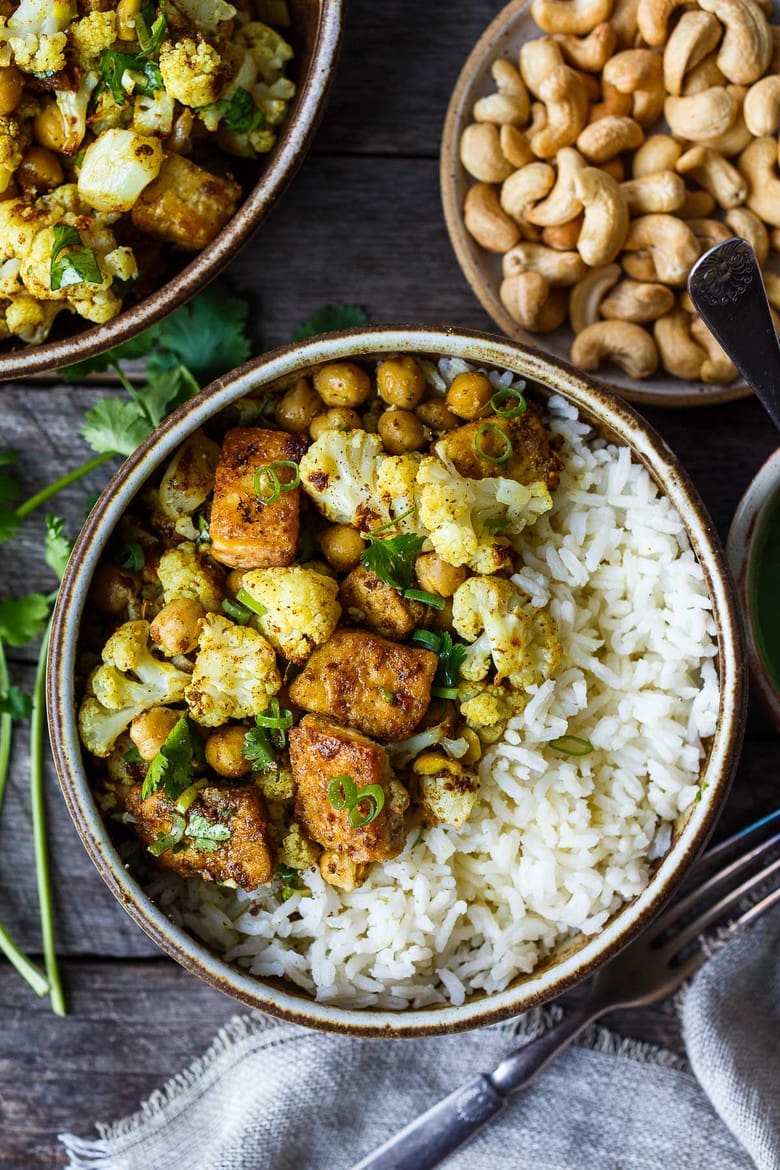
(432,599)
(501,402)
(269,478)
(342,792)
(189,796)
(444,692)
(278,718)
(388,696)
(238,612)
(507,449)
(247,600)
(428,639)
(572,745)
(374,794)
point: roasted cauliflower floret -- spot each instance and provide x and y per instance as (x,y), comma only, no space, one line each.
(206,15)
(301,608)
(193,72)
(340,472)
(485,706)
(183,573)
(91,35)
(235,673)
(471,521)
(296,850)
(447,792)
(396,483)
(73,105)
(268,49)
(36,35)
(12,146)
(521,642)
(189,477)
(130,681)
(116,168)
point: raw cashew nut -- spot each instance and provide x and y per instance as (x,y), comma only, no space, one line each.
(624,22)
(481,154)
(538,120)
(526,187)
(715,174)
(515,146)
(671,243)
(561,205)
(538,58)
(563,236)
(703,76)
(709,232)
(758,163)
(746,224)
(772,282)
(705,115)
(695,35)
(486,222)
(653,18)
(746,48)
(663,191)
(628,346)
(510,105)
(530,301)
(609,137)
(631,300)
(588,293)
(606,216)
(566,103)
(592,52)
(559,268)
(659,152)
(762,107)
(638,72)
(639,266)
(680,354)
(575,17)
(615,168)
(613,102)
(736,138)
(718,366)
(697,205)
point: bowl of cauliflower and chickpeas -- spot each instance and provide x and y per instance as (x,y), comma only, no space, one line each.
(140,145)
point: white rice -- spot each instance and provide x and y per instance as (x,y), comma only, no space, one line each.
(555,844)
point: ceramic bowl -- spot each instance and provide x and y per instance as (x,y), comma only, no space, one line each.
(503,38)
(579,958)
(315,34)
(744,547)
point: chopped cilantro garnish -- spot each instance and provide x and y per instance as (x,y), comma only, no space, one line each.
(71,262)
(392,558)
(207,837)
(239,112)
(171,768)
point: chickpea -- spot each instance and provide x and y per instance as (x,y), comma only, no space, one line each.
(39,170)
(296,409)
(401,382)
(474,754)
(49,128)
(400,431)
(469,395)
(436,576)
(175,629)
(11,89)
(126,12)
(150,730)
(234,579)
(342,384)
(339,418)
(437,416)
(112,589)
(225,751)
(342,546)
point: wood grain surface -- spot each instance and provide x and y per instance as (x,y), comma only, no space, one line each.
(362,223)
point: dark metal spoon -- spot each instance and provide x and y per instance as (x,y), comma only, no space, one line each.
(727,290)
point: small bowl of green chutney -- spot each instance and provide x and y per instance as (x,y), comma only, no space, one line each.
(754,555)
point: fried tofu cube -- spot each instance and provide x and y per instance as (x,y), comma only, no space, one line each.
(532,457)
(370,601)
(321,751)
(246,533)
(367,682)
(245,857)
(185,204)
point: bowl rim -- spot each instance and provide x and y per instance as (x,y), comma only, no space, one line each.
(616,418)
(288,154)
(465,248)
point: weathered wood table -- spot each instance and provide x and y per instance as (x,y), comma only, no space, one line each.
(362,223)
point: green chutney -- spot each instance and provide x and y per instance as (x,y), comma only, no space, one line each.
(765,589)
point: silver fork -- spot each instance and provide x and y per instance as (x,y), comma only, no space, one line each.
(649,969)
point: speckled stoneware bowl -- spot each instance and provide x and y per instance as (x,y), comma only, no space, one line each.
(502,38)
(744,541)
(315,35)
(579,957)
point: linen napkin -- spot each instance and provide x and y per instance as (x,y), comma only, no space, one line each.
(271,1096)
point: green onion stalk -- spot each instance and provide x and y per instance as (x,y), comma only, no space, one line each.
(64,481)
(37,791)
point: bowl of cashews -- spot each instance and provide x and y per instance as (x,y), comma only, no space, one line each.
(592,151)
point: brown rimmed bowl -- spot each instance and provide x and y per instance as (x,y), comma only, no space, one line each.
(315,34)
(581,956)
(502,38)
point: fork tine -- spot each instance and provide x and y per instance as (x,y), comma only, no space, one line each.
(713,913)
(736,841)
(712,883)
(760,908)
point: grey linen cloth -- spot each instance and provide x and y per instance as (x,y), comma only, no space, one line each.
(271,1096)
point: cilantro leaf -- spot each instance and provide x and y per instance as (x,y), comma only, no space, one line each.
(165,841)
(146,75)
(259,750)
(57,545)
(239,112)
(164,391)
(71,262)
(16,703)
(23,618)
(392,558)
(114,426)
(206,836)
(331,318)
(9,525)
(208,335)
(136,347)
(171,768)
(451,655)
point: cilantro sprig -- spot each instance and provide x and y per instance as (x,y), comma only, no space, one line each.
(331,318)
(71,262)
(172,768)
